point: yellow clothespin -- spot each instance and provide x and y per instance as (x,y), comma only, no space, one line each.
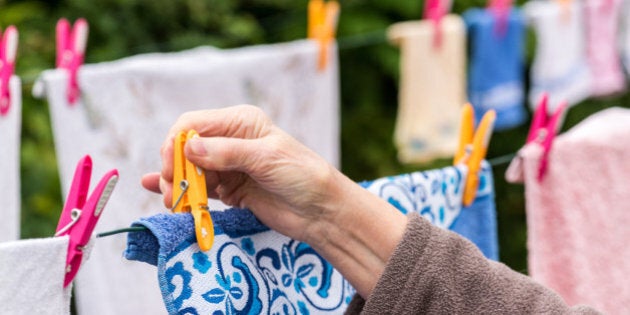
(473,146)
(189,191)
(565,7)
(322,25)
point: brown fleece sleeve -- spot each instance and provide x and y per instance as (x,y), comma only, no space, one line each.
(434,271)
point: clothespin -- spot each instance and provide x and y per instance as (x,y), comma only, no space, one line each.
(322,26)
(80,213)
(71,45)
(565,8)
(189,191)
(8,50)
(472,148)
(543,130)
(501,11)
(434,10)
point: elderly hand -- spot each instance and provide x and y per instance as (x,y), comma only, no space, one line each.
(251,163)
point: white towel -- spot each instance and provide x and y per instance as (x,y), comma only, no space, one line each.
(560,66)
(10,164)
(432,88)
(32,273)
(126,110)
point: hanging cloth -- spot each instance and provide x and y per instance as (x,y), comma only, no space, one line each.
(577,216)
(432,88)
(126,109)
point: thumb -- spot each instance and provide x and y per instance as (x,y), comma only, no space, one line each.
(223,154)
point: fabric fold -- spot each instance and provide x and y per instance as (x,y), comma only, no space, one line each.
(250,269)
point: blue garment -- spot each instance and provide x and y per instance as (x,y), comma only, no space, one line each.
(437,196)
(496,73)
(249,270)
(478,222)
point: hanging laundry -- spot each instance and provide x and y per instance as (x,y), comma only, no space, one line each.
(126,109)
(32,273)
(602,19)
(432,88)
(624,35)
(577,215)
(437,195)
(10,126)
(560,66)
(497,65)
(249,269)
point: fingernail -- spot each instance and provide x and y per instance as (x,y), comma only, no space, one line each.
(197,146)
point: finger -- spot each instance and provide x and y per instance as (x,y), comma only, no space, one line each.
(242,121)
(166,153)
(151,182)
(167,192)
(225,154)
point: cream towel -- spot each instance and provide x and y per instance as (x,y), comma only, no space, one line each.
(432,88)
(578,216)
(10,126)
(32,273)
(126,109)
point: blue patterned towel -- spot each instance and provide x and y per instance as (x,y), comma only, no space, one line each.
(249,270)
(437,196)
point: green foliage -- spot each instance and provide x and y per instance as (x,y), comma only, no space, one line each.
(368,75)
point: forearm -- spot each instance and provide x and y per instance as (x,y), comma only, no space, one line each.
(359,239)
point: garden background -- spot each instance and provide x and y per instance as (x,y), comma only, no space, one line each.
(369,72)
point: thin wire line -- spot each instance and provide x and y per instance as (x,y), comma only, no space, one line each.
(503,159)
(343,43)
(499,160)
(125,230)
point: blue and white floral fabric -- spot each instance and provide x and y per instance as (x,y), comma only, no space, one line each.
(249,270)
(437,196)
(254,270)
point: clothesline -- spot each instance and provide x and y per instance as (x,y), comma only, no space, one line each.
(496,161)
(343,43)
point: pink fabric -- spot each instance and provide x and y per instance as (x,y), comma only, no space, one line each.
(578,217)
(602,19)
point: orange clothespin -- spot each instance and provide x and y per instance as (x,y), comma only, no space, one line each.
(543,130)
(565,8)
(322,26)
(189,191)
(501,11)
(8,50)
(434,10)
(71,45)
(473,146)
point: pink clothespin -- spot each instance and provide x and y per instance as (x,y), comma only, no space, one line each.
(71,45)
(434,10)
(501,11)
(80,213)
(544,129)
(8,50)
